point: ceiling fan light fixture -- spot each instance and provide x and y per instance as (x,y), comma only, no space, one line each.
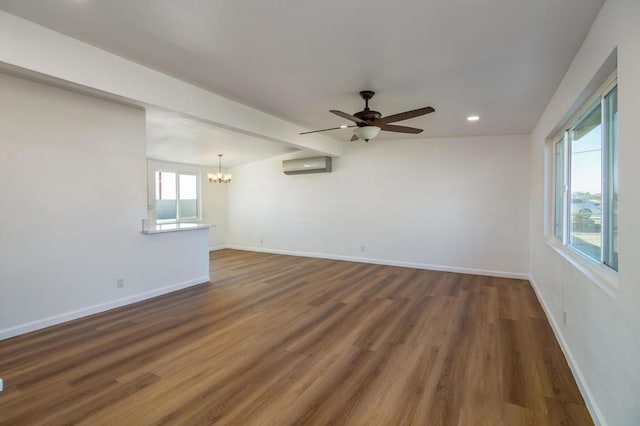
(367,132)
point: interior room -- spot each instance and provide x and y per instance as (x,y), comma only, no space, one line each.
(319,213)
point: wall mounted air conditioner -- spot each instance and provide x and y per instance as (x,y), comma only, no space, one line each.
(300,166)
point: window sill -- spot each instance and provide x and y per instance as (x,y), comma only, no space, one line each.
(603,276)
(174,221)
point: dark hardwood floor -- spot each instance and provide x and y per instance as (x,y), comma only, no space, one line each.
(278,340)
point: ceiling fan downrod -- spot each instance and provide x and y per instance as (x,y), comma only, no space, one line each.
(366,95)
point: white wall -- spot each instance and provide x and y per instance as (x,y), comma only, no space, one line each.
(454,204)
(602,334)
(73,185)
(213,196)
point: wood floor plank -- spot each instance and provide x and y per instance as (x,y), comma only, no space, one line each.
(287,340)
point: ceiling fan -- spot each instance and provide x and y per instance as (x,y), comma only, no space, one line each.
(369,122)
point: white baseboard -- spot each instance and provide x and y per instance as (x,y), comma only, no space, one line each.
(215,248)
(502,274)
(589,400)
(90,310)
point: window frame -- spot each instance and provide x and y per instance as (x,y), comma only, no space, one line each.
(602,273)
(568,219)
(559,140)
(607,184)
(177,173)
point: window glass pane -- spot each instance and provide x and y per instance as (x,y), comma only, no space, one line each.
(188,187)
(611,252)
(585,232)
(166,208)
(559,188)
(188,209)
(188,197)
(165,186)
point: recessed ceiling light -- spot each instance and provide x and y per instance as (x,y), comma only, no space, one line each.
(473,118)
(344,126)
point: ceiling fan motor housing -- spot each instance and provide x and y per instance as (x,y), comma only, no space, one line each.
(367,115)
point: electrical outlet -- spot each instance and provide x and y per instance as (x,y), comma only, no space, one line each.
(261,240)
(363,249)
(564,317)
(120,282)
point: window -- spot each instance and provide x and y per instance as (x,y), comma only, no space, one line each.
(176,196)
(585,209)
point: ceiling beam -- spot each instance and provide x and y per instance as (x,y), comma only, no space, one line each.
(34,50)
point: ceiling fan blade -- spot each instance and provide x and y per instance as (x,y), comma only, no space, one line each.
(406,115)
(324,130)
(399,129)
(354,138)
(348,116)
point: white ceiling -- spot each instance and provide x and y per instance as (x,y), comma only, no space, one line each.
(499,59)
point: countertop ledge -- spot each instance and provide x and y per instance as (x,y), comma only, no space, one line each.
(173,227)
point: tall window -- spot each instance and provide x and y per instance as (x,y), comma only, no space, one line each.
(176,196)
(586,198)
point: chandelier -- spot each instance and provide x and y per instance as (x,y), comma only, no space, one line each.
(219,177)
